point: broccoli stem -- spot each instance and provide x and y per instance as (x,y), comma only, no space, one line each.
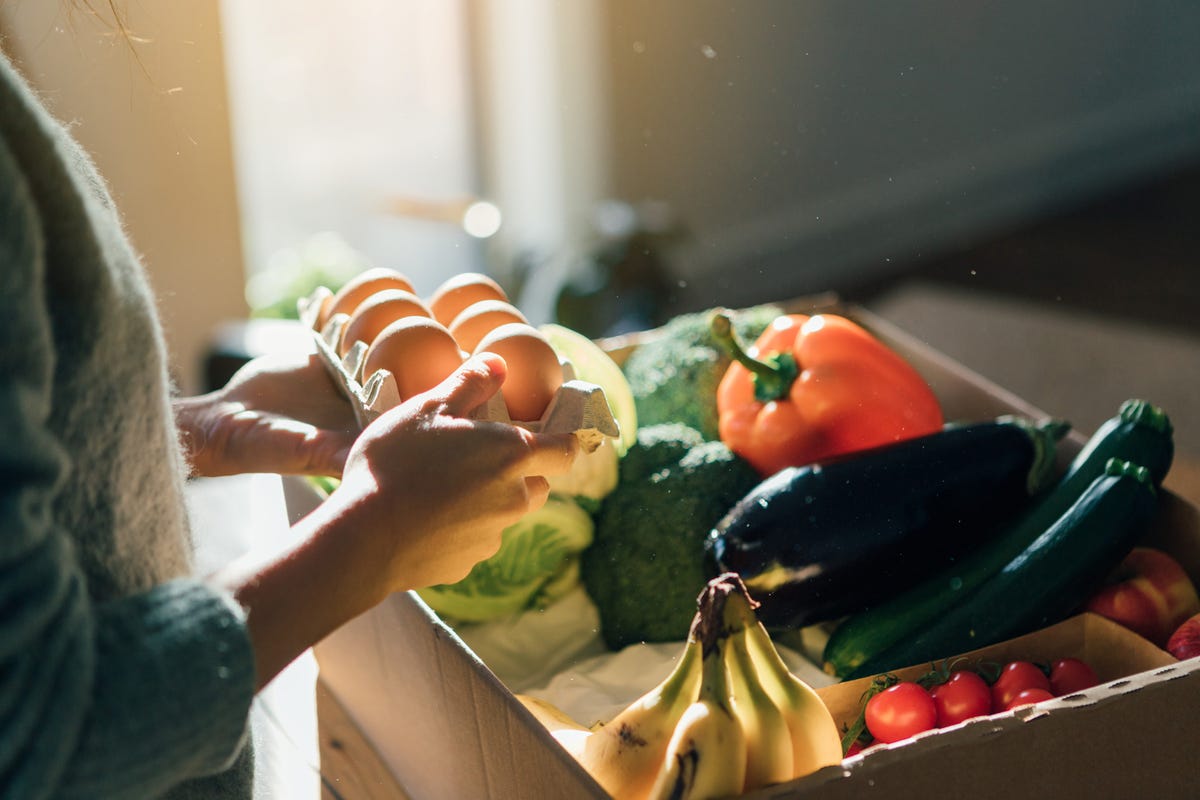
(773,374)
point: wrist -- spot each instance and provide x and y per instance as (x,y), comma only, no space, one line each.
(296,597)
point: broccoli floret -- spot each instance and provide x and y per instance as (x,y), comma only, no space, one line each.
(657,446)
(647,561)
(674,376)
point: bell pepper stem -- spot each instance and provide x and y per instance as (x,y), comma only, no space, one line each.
(773,375)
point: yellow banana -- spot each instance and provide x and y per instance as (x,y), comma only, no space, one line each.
(569,733)
(815,739)
(814,735)
(706,756)
(729,718)
(625,755)
(769,753)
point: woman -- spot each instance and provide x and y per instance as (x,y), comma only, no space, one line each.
(121,674)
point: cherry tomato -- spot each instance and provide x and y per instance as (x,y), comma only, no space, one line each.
(963,696)
(855,748)
(1015,677)
(1027,697)
(1070,675)
(900,711)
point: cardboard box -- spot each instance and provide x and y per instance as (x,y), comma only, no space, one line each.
(449,728)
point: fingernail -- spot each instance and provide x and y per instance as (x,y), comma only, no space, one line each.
(491,362)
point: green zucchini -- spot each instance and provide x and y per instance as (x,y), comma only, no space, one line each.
(1048,580)
(1140,432)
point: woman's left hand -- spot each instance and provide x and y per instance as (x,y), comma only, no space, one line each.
(279,414)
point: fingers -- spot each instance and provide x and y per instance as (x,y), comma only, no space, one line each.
(537,491)
(550,453)
(329,455)
(472,384)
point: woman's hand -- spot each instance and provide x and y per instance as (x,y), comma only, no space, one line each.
(277,414)
(434,488)
(425,495)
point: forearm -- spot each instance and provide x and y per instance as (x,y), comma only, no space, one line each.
(296,597)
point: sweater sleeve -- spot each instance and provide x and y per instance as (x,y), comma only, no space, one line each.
(121,699)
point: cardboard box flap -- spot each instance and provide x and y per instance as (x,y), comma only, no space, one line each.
(1174,530)
(451,729)
(1060,749)
(967,394)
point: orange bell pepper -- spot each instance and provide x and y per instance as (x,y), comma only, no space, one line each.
(816,387)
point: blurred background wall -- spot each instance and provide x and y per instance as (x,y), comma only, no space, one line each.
(716,151)
(809,145)
(157,126)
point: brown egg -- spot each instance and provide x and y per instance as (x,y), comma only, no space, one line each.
(325,303)
(376,313)
(418,351)
(478,319)
(454,295)
(362,286)
(534,372)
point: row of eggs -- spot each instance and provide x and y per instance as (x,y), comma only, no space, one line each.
(422,341)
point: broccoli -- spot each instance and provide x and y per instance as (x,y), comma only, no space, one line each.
(658,446)
(674,376)
(647,562)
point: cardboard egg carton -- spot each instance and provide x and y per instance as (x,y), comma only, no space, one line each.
(577,407)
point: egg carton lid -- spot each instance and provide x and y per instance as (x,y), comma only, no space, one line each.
(578,407)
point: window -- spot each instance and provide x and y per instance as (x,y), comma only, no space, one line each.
(352,133)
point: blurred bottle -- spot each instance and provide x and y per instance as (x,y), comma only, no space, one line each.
(623,284)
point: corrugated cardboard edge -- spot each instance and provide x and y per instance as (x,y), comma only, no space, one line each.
(1124,661)
(1113,651)
(1098,750)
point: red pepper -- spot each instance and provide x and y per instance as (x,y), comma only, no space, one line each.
(816,387)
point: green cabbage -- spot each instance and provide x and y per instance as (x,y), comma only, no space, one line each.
(537,563)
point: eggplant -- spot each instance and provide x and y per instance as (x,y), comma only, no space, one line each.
(818,542)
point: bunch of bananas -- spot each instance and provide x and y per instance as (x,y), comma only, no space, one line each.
(729,718)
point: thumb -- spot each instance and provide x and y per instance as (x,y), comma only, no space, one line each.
(472,384)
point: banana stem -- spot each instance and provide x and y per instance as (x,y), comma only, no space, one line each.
(709,624)
(722,609)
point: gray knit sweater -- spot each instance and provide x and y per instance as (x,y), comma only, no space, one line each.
(119,675)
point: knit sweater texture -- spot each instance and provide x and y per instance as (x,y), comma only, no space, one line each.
(120,675)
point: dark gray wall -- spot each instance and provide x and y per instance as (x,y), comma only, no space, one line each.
(808,145)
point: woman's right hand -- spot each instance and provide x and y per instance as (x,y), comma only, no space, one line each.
(425,495)
(431,489)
